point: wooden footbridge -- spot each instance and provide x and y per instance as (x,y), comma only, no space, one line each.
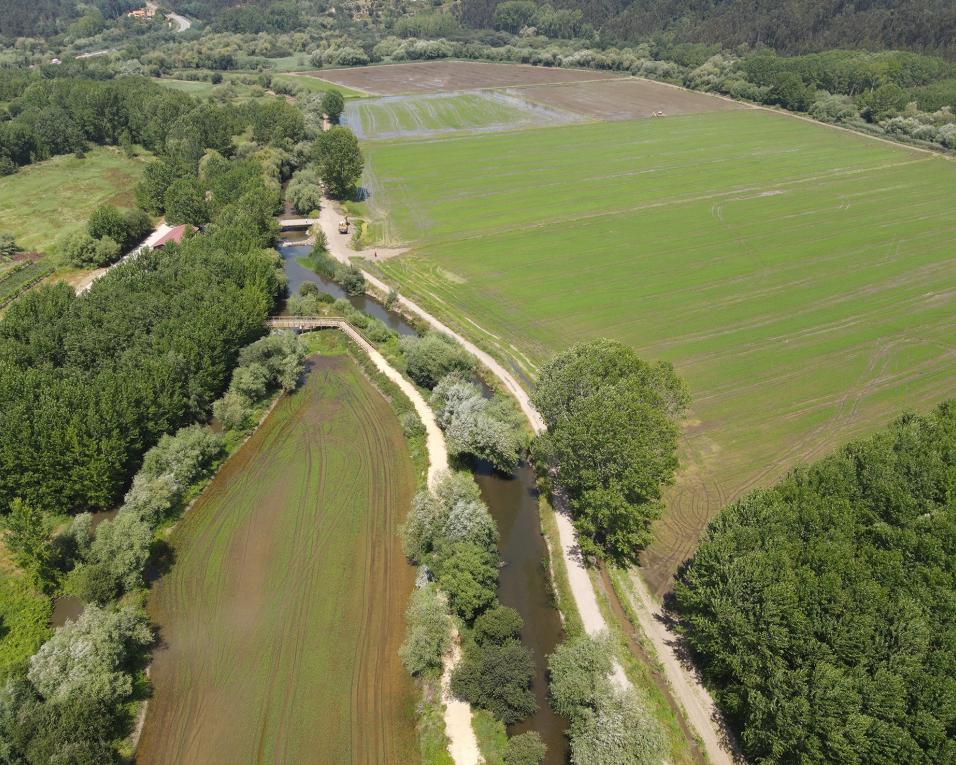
(308,323)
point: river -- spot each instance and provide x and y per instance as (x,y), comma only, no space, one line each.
(524,579)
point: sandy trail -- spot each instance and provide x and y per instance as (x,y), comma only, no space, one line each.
(695,699)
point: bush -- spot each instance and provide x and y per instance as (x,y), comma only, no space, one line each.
(8,246)
(490,430)
(251,381)
(233,411)
(84,659)
(351,279)
(497,677)
(618,730)
(498,624)
(468,573)
(433,356)
(525,749)
(305,192)
(83,251)
(187,456)
(579,670)
(428,634)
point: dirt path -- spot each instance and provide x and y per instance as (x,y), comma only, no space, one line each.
(692,695)
(158,233)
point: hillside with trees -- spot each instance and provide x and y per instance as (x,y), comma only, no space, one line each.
(823,610)
(788,26)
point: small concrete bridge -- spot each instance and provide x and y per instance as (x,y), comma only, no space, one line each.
(290,224)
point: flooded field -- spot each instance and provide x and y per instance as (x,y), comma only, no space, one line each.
(283,613)
(423,116)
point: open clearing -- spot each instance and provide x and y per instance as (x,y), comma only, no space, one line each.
(429,115)
(625,99)
(802,279)
(441,76)
(315,84)
(282,616)
(42,202)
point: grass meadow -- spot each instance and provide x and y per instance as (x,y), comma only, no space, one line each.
(282,615)
(800,278)
(43,202)
(316,85)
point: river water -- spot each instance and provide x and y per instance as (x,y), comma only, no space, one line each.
(524,580)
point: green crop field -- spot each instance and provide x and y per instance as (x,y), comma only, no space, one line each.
(317,85)
(425,115)
(43,202)
(282,616)
(801,278)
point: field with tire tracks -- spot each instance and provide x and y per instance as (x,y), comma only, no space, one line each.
(283,612)
(801,278)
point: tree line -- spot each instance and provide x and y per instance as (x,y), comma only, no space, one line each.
(823,610)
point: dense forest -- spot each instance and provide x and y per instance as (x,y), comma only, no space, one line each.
(28,18)
(788,26)
(823,610)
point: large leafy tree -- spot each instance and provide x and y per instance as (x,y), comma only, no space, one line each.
(611,441)
(339,161)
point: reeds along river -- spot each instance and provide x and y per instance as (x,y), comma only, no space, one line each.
(524,580)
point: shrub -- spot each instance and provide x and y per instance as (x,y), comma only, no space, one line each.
(187,456)
(423,525)
(83,251)
(617,731)
(578,668)
(468,573)
(85,657)
(305,191)
(8,246)
(351,279)
(525,749)
(428,630)
(498,624)
(232,411)
(121,548)
(497,677)
(433,356)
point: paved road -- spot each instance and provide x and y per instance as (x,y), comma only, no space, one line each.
(181,22)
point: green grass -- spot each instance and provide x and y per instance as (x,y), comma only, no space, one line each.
(283,613)
(43,202)
(799,277)
(425,115)
(491,734)
(317,85)
(24,618)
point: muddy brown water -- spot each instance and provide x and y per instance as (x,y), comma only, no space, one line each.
(524,581)
(524,584)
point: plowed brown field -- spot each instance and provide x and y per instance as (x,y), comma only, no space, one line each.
(441,76)
(282,615)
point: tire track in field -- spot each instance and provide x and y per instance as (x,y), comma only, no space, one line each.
(245,695)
